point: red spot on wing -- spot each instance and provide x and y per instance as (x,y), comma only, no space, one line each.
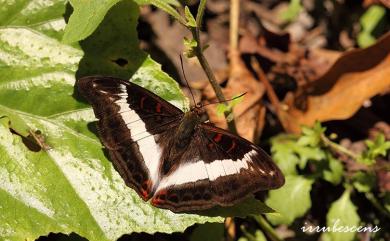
(158,107)
(141,104)
(218,137)
(159,198)
(233,146)
(145,189)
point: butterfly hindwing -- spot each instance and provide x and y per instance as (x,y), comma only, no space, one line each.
(221,169)
(130,122)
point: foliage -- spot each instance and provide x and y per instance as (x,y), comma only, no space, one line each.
(369,21)
(228,107)
(55,175)
(307,159)
(52,166)
(293,10)
(291,201)
(375,148)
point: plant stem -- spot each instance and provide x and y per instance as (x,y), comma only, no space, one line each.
(234,19)
(338,147)
(230,229)
(199,15)
(205,65)
(267,228)
(377,204)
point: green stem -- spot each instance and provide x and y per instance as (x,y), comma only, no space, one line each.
(267,228)
(199,15)
(377,204)
(247,234)
(338,147)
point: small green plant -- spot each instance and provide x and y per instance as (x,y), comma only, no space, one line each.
(369,21)
(313,158)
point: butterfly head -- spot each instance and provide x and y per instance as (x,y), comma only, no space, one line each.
(198,109)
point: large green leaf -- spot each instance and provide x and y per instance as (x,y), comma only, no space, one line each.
(55,175)
(290,201)
(343,219)
(68,185)
(46,17)
(89,14)
(71,187)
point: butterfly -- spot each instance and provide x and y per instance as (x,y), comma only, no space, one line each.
(170,156)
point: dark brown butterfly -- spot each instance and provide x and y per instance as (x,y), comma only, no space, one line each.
(171,157)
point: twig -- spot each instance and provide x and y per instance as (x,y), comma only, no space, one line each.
(337,147)
(230,229)
(377,204)
(230,226)
(233,28)
(205,65)
(267,228)
(270,93)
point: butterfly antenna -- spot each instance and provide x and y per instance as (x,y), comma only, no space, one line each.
(236,97)
(182,69)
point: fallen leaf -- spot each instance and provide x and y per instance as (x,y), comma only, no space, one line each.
(355,77)
(249,114)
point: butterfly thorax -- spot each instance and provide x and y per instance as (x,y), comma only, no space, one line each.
(186,129)
(182,139)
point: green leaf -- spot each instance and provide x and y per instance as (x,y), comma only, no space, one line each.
(257,236)
(378,147)
(386,201)
(189,45)
(189,17)
(363,182)
(341,217)
(165,5)
(71,186)
(292,12)
(333,172)
(290,201)
(229,105)
(282,149)
(223,108)
(80,27)
(311,136)
(287,153)
(86,17)
(46,17)
(369,21)
(208,232)
(308,153)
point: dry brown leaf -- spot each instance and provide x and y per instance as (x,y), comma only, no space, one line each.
(367,3)
(248,114)
(356,76)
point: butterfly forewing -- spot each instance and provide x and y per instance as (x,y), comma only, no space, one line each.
(130,122)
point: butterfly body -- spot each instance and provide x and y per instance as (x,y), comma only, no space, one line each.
(172,157)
